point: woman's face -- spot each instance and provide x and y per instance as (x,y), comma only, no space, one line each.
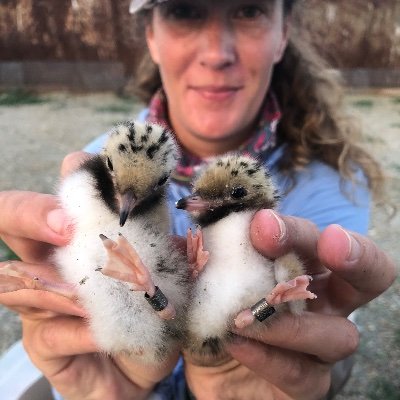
(216,59)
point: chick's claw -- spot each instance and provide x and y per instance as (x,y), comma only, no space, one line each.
(13,278)
(296,289)
(197,256)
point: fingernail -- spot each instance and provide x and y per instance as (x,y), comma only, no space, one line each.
(282,227)
(243,319)
(59,222)
(355,249)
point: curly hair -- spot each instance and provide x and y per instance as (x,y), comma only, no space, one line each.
(314,124)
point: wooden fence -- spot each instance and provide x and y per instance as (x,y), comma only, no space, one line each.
(354,35)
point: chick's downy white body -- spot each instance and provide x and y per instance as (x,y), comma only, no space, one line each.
(235,276)
(227,194)
(122,319)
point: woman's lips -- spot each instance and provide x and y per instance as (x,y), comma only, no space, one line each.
(216,93)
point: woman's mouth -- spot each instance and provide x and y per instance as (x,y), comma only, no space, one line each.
(216,93)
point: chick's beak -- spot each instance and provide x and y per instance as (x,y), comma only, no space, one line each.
(127,202)
(195,203)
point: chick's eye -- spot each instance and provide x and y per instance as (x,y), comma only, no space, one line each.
(238,192)
(109,164)
(163,180)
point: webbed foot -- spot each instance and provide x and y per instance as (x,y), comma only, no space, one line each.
(125,264)
(293,290)
(197,256)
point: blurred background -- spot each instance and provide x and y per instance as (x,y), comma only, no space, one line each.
(66,70)
(62,43)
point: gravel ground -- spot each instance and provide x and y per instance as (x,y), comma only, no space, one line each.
(34,138)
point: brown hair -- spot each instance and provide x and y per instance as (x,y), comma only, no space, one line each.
(313,124)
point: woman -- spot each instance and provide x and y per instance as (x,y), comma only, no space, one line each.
(229,73)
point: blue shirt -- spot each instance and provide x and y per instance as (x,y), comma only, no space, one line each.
(319,194)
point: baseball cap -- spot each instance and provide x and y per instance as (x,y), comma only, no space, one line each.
(137,5)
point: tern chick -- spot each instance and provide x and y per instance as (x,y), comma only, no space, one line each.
(226,195)
(131,280)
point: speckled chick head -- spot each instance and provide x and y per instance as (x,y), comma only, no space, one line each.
(236,181)
(140,157)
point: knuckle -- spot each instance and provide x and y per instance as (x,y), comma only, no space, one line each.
(295,328)
(47,336)
(352,339)
(295,374)
(31,341)
(321,387)
(315,381)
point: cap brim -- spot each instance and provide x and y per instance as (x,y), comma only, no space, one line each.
(136,5)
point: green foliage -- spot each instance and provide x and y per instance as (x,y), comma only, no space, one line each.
(395,166)
(19,97)
(6,253)
(396,340)
(380,388)
(396,100)
(115,108)
(363,103)
(124,105)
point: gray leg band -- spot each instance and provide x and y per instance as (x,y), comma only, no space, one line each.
(262,310)
(158,301)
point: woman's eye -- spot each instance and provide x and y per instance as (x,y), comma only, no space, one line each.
(249,12)
(181,11)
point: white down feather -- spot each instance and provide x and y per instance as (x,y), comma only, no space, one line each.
(235,277)
(121,320)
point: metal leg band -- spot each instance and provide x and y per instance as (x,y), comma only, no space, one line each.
(158,301)
(262,310)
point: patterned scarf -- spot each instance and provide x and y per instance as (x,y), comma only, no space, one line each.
(259,145)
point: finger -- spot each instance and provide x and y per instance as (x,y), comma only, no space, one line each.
(358,261)
(73,161)
(50,339)
(305,333)
(146,375)
(29,302)
(28,250)
(33,216)
(24,300)
(274,235)
(297,375)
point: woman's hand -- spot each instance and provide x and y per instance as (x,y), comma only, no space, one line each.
(55,332)
(57,338)
(32,223)
(295,353)
(293,356)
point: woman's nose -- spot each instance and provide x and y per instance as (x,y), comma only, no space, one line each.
(217,44)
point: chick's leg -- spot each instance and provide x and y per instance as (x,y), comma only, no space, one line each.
(292,284)
(197,256)
(125,264)
(291,288)
(13,278)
